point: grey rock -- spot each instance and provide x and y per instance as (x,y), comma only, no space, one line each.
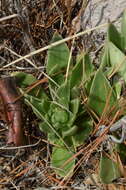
(100,11)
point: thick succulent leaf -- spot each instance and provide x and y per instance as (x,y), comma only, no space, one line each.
(24,80)
(52,137)
(57,56)
(63,94)
(59,80)
(74,93)
(60,161)
(87,86)
(109,170)
(42,106)
(114,36)
(118,89)
(84,130)
(123,28)
(105,62)
(82,70)
(74,105)
(100,93)
(117,86)
(88,67)
(57,61)
(43,126)
(37,108)
(121,149)
(70,132)
(117,60)
(39,93)
(77,72)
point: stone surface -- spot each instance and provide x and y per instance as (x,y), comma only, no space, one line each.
(100,11)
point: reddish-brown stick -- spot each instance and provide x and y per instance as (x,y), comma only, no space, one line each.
(13,110)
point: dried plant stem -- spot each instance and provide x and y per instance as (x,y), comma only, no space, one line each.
(8,17)
(55,44)
(13,110)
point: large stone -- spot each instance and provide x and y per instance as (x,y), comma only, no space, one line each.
(100,11)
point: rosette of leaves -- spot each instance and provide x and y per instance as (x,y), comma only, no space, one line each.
(62,118)
(65,107)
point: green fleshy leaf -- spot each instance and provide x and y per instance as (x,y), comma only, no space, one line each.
(77,72)
(42,106)
(74,105)
(60,157)
(117,60)
(105,62)
(24,80)
(52,137)
(60,116)
(88,67)
(87,86)
(37,108)
(84,130)
(121,149)
(114,36)
(57,61)
(70,132)
(57,56)
(43,126)
(117,86)
(59,79)
(74,93)
(82,70)
(39,93)
(99,93)
(109,170)
(63,94)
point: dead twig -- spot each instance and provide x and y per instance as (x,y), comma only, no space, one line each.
(13,110)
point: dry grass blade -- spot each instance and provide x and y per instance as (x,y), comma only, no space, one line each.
(28,60)
(19,147)
(8,17)
(55,44)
